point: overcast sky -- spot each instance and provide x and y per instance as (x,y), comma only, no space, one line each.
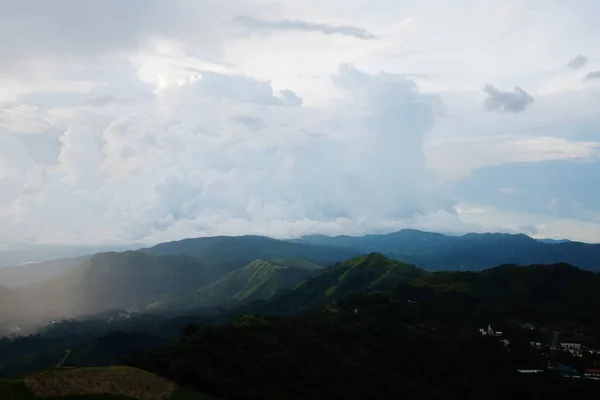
(152,120)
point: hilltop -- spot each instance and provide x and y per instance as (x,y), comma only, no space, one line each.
(360,274)
(95,383)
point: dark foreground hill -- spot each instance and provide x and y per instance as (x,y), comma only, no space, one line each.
(115,383)
(437,252)
(410,342)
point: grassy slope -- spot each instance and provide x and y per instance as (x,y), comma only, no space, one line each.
(260,279)
(369,272)
(95,383)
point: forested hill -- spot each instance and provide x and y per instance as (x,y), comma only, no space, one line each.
(236,250)
(367,325)
(437,252)
(417,340)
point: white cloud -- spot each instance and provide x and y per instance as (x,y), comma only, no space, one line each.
(538,225)
(448,158)
(156,120)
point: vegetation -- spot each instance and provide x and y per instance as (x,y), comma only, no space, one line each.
(360,274)
(379,345)
(241,250)
(437,252)
(289,328)
(259,280)
(95,383)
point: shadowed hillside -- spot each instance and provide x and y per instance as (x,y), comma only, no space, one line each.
(436,252)
(416,341)
(237,251)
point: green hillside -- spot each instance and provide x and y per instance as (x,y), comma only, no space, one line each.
(114,383)
(364,273)
(258,280)
(413,342)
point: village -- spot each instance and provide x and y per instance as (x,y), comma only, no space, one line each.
(553,352)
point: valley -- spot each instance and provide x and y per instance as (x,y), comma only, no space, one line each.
(253,317)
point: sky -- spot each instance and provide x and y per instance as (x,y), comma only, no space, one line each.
(143,121)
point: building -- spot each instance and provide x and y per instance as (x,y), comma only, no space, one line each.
(570,346)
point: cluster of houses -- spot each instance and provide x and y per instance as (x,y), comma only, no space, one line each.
(490,332)
(576,349)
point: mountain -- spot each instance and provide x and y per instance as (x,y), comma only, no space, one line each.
(558,295)
(437,252)
(258,280)
(418,340)
(554,241)
(95,383)
(368,325)
(31,273)
(236,251)
(135,279)
(364,273)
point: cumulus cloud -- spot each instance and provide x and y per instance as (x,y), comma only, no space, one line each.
(592,75)
(23,118)
(194,163)
(255,24)
(157,120)
(505,101)
(578,62)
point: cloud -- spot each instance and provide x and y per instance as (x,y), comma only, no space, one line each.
(22,119)
(515,101)
(255,24)
(592,75)
(158,120)
(193,163)
(578,62)
(449,157)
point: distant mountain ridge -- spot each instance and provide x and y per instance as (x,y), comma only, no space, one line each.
(186,269)
(472,251)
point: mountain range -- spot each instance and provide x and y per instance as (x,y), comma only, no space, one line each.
(470,252)
(291,328)
(224,271)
